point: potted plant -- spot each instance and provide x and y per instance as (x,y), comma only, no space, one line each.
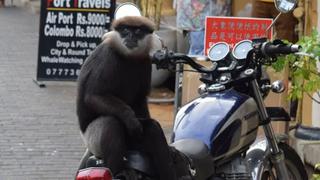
(303,70)
(316,175)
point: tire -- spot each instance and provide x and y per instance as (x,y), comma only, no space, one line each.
(294,164)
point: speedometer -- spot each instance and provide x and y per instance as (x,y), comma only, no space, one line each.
(218,51)
(241,49)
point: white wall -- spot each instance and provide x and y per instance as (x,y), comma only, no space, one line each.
(315,105)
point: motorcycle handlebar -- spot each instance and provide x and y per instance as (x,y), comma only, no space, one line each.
(163,58)
(271,50)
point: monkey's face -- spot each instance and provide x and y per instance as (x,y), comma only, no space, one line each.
(132,36)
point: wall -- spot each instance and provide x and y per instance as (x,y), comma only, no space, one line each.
(240,8)
(310,109)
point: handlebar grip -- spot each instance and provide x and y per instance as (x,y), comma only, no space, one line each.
(158,56)
(269,49)
(160,59)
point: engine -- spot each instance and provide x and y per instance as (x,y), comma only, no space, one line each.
(237,169)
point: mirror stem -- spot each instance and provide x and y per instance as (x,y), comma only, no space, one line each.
(273,22)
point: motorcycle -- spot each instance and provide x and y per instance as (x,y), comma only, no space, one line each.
(215,135)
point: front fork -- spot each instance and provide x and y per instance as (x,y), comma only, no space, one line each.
(277,156)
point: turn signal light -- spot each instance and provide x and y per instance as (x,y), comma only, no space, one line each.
(96,173)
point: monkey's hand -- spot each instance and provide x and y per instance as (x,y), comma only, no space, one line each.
(111,105)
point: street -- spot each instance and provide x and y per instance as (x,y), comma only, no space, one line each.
(39,134)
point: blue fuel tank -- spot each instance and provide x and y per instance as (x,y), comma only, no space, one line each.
(227,122)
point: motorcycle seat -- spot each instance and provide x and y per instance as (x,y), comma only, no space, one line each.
(139,161)
(192,148)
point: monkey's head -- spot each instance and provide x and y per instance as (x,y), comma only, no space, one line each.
(133,36)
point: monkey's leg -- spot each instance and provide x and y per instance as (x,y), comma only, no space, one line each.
(154,142)
(140,107)
(111,105)
(105,138)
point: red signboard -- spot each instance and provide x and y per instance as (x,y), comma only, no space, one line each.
(234,29)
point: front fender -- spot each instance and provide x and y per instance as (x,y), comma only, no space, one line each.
(257,158)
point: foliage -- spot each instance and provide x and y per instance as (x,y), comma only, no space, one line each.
(302,68)
(316,176)
(151,9)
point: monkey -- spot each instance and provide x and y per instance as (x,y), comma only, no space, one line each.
(113,85)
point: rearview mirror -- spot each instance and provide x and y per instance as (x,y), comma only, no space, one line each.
(127,9)
(285,6)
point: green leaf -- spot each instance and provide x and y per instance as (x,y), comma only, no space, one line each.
(279,64)
(315,177)
(302,69)
(309,86)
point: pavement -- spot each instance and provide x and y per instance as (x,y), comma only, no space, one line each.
(40,137)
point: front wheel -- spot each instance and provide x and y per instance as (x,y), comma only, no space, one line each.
(293,162)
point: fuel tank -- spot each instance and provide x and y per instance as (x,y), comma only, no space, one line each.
(227,122)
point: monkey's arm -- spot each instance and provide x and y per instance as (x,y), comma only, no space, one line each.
(110,105)
(141,108)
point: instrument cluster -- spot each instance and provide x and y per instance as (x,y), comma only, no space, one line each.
(225,56)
